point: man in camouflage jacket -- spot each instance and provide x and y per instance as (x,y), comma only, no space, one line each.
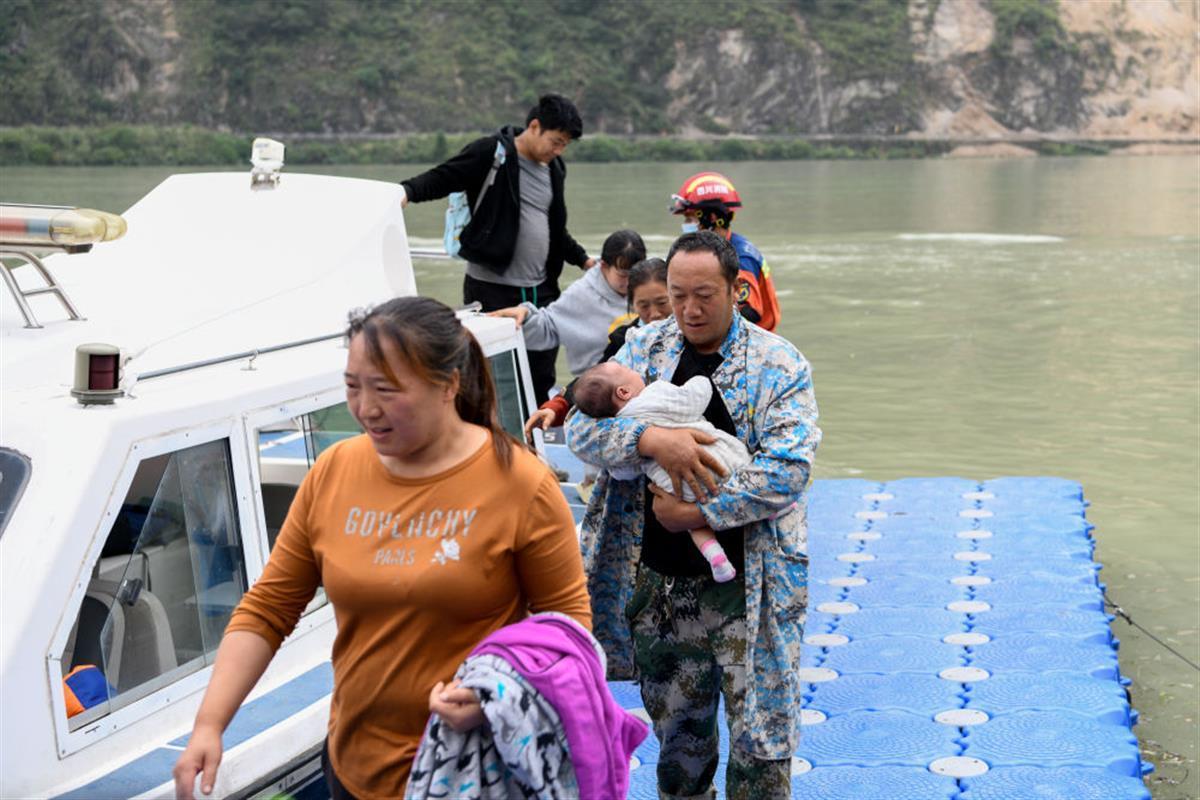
(765,386)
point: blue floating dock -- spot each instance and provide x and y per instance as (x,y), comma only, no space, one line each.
(1100,699)
(923,694)
(1083,783)
(977,604)
(1005,569)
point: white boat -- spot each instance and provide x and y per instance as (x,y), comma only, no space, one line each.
(130,528)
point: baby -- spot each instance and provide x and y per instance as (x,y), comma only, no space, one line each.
(611,389)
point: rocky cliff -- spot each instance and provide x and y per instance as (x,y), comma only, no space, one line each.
(1088,68)
(958,69)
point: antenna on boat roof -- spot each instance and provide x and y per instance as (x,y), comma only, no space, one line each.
(266,156)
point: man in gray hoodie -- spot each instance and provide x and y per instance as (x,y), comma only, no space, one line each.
(581,318)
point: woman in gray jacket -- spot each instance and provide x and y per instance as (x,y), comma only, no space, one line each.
(581,319)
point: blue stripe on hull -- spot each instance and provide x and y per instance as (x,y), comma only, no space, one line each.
(154,768)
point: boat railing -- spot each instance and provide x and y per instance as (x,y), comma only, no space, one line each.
(430,253)
(22,296)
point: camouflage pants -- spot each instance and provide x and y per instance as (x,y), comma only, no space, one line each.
(689,638)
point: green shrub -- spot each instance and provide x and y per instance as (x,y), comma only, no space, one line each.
(40,153)
(830,151)
(1036,20)
(107,155)
(120,137)
(710,125)
(596,149)
(672,150)
(441,148)
(733,150)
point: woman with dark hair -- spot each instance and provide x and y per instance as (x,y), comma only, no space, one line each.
(588,309)
(429,531)
(647,298)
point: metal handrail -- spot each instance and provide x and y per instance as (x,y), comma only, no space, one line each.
(436,255)
(256,352)
(251,354)
(52,286)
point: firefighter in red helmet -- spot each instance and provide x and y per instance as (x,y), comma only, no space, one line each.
(708,200)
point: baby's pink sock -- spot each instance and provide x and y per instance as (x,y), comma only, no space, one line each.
(723,571)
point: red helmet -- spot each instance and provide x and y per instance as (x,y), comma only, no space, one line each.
(706,191)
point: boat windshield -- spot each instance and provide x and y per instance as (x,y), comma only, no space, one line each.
(14,474)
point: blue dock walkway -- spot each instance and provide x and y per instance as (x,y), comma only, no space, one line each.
(957,649)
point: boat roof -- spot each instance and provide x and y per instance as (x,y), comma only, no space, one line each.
(197,275)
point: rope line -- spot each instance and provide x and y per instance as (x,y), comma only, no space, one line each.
(1123,614)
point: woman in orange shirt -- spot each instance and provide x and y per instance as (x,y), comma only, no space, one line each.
(429,531)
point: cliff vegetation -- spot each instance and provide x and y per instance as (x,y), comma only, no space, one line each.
(213,71)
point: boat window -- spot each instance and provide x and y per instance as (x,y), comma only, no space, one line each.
(14,474)
(510,392)
(168,578)
(286,452)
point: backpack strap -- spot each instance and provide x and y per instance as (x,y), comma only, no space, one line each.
(497,160)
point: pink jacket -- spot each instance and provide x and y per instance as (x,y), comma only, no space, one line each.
(559,658)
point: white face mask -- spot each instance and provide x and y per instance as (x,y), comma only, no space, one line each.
(690,227)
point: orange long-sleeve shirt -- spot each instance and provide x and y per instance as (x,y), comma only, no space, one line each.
(418,572)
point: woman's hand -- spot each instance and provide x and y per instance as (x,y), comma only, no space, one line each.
(679,451)
(202,756)
(516,313)
(539,419)
(457,705)
(674,514)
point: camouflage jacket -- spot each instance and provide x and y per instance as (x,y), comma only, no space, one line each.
(766,387)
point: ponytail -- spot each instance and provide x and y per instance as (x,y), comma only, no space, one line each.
(476,398)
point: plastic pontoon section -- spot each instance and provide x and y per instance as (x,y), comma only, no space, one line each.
(956,648)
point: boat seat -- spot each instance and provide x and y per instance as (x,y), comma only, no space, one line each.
(169,567)
(90,642)
(130,642)
(149,646)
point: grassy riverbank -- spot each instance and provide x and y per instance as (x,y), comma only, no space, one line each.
(145,145)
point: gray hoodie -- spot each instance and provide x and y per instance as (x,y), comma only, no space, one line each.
(579,320)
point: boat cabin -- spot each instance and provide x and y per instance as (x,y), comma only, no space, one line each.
(133,520)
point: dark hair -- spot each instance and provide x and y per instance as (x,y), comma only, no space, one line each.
(556,113)
(714,214)
(648,270)
(696,241)
(623,249)
(435,345)
(593,394)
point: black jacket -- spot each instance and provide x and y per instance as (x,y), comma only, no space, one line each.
(616,339)
(491,236)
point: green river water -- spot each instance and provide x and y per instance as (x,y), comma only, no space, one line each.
(966,318)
